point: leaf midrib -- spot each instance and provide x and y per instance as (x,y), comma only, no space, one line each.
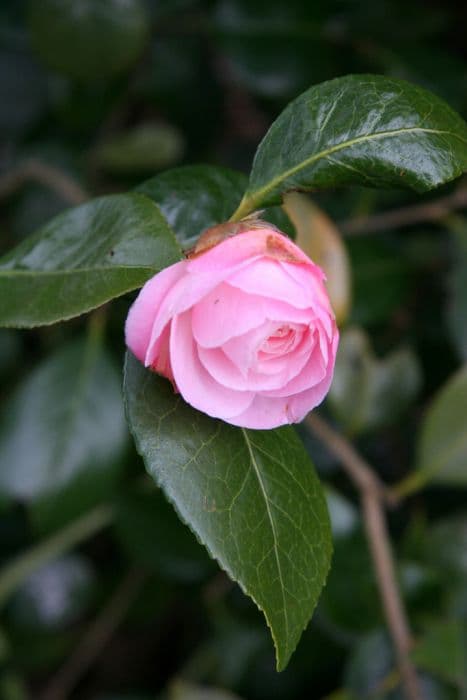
(254,198)
(274,534)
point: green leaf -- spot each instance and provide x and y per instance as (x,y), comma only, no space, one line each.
(83,258)
(64,423)
(89,40)
(442,446)
(368,392)
(442,651)
(251,497)
(358,130)
(194,197)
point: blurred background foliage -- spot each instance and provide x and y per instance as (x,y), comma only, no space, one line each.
(105,595)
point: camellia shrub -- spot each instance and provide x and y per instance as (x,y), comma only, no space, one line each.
(233,335)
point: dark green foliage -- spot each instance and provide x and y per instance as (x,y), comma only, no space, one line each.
(156,109)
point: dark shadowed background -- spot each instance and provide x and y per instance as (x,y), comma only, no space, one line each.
(111,597)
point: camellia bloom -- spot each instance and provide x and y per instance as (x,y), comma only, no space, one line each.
(243,327)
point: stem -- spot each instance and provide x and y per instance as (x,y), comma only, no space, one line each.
(372,494)
(95,638)
(15,572)
(436,210)
(245,207)
(396,618)
(358,469)
(44,174)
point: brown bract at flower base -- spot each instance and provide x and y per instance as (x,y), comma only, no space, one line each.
(212,236)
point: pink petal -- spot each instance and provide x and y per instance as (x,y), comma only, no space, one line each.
(223,313)
(313,372)
(195,384)
(188,291)
(223,370)
(263,413)
(146,306)
(267,278)
(314,291)
(246,246)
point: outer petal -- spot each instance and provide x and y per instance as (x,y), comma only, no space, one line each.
(145,308)
(268,278)
(195,384)
(257,242)
(263,413)
(188,291)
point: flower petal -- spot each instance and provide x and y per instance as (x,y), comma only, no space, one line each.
(145,308)
(267,278)
(195,384)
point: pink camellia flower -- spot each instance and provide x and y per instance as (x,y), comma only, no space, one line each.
(243,327)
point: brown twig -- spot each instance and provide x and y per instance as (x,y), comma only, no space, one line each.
(44,174)
(373,494)
(358,469)
(396,618)
(95,638)
(433,211)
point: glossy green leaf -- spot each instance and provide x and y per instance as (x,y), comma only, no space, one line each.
(359,129)
(83,258)
(251,497)
(64,423)
(194,197)
(442,446)
(368,392)
(89,40)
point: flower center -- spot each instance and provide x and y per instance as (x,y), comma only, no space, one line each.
(281,341)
